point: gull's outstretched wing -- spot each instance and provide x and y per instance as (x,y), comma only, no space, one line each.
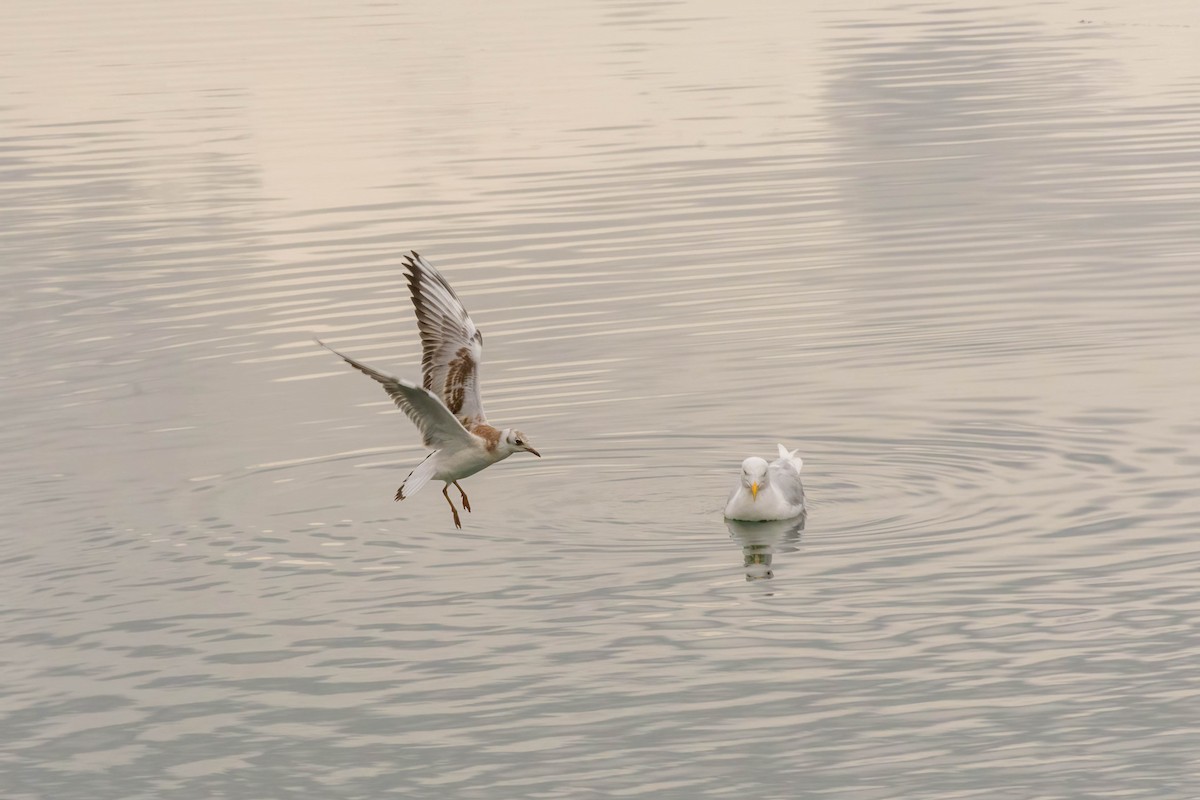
(451,345)
(438,426)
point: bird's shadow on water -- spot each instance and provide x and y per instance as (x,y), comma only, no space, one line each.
(760,541)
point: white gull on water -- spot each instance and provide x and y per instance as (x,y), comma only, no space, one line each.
(446,408)
(768,491)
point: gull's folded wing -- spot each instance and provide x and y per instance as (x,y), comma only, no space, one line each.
(786,478)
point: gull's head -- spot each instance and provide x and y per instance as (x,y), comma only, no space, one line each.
(754,475)
(515,441)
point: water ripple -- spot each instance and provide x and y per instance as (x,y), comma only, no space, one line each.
(947,253)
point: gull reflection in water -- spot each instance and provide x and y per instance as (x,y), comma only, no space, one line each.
(760,542)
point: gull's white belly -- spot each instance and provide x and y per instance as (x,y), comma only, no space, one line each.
(769,505)
(464,463)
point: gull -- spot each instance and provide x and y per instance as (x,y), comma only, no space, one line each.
(768,491)
(446,409)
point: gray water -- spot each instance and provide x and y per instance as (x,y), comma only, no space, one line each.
(950,252)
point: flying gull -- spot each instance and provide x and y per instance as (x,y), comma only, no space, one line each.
(446,408)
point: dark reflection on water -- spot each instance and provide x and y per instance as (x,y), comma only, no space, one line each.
(760,541)
(947,254)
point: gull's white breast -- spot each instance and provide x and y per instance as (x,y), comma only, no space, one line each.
(465,462)
(769,505)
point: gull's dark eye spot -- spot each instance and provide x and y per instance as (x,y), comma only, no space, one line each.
(519,442)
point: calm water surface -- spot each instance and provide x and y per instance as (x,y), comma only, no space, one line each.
(948,251)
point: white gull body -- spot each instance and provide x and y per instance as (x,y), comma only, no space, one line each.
(768,491)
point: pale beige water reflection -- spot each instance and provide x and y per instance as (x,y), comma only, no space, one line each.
(949,252)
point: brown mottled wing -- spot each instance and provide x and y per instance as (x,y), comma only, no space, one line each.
(451,345)
(438,426)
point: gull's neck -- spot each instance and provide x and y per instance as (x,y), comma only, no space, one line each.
(492,437)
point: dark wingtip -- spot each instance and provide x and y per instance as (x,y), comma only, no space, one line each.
(399,494)
(335,352)
(412,271)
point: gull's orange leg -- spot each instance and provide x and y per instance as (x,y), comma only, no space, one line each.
(453,510)
(465,501)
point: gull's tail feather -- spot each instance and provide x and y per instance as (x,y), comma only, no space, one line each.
(790,455)
(420,476)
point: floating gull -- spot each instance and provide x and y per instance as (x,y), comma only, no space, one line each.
(766,492)
(447,408)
